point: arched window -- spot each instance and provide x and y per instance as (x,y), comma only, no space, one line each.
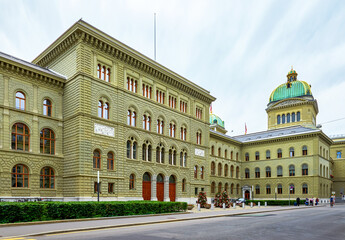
(292,189)
(183,158)
(198,138)
(183,133)
(160,126)
(279,153)
(226,170)
(257,189)
(298,116)
(288,118)
(280,189)
(172,156)
(20,100)
(213,187)
(327,175)
(195,171)
(160,154)
(305,188)
(47,178)
(131,181)
(283,118)
(247,156)
(293,116)
(96,159)
(220,187)
(226,187)
(226,153)
(202,172)
(47,141)
(232,155)
(278,119)
(172,130)
(279,171)
(110,161)
(237,156)
(131,149)
(232,188)
(213,168)
(292,152)
(219,169)
(246,173)
(20,137)
(268,172)
(47,107)
(237,189)
(20,176)
(232,171)
(131,118)
(183,185)
(237,172)
(291,170)
(103,73)
(219,152)
(212,150)
(304,151)
(268,154)
(257,172)
(257,155)
(268,189)
(305,169)
(147,152)
(99,71)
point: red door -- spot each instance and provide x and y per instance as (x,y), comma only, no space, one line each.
(160,191)
(147,190)
(247,195)
(172,192)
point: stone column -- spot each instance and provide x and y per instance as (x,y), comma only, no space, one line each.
(166,189)
(243,193)
(154,188)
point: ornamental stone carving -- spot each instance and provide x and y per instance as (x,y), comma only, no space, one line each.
(104,130)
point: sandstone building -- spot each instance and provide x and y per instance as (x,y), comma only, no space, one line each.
(89,104)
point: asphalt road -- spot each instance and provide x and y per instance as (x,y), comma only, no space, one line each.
(312,223)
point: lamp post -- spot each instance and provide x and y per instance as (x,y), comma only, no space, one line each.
(275,193)
(97,186)
(253,192)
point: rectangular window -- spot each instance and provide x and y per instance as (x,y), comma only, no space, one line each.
(160,96)
(132,85)
(172,102)
(198,113)
(110,187)
(147,91)
(95,188)
(338,154)
(196,191)
(183,106)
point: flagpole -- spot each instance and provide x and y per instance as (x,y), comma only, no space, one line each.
(154,36)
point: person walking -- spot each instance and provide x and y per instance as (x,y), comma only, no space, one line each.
(331,201)
(298,201)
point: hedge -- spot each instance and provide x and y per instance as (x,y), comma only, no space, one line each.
(42,211)
(275,202)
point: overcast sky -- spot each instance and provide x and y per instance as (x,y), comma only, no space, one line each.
(238,50)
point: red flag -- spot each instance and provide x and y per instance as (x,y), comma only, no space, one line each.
(245,128)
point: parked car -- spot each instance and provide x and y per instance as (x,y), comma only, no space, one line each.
(241,200)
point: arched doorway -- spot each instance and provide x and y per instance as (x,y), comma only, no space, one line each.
(146,186)
(247,195)
(160,187)
(172,188)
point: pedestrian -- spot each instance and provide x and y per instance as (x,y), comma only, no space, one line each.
(317,201)
(306,201)
(331,201)
(311,201)
(298,200)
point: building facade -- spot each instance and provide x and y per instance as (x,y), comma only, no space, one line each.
(90,105)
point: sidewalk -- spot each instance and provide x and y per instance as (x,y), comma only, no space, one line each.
(39,229)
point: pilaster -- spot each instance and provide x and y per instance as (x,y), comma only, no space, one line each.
(166,189)
(154,188)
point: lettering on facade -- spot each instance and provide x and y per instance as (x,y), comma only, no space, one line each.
(104,130)
(199,152)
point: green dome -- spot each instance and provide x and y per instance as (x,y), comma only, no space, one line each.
(290,90)
(214,119)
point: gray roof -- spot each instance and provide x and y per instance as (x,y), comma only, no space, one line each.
(31,65)
(275,133)
(270,134)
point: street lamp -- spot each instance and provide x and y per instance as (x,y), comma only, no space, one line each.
(97,186)
(275,193)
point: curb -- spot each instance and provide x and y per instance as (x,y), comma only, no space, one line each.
(148,223)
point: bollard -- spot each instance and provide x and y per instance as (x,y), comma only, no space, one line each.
(212,206)
(234,205)
(259,204)
(198,206)
(223,205)
(265,204)
(242,205)
(251,204)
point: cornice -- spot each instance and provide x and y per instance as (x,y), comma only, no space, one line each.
(83,32)
(277,105)
(281,138)
(13,68)
(225,139)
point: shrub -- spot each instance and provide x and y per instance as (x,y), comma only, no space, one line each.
(202,199)
(39,211)
(222,198)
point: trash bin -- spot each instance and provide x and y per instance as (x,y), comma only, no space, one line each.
(295,203)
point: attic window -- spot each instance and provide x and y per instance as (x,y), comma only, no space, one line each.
(215,121)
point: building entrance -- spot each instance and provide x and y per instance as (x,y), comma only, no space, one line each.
(172,188)
(147,186)
(160,188)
